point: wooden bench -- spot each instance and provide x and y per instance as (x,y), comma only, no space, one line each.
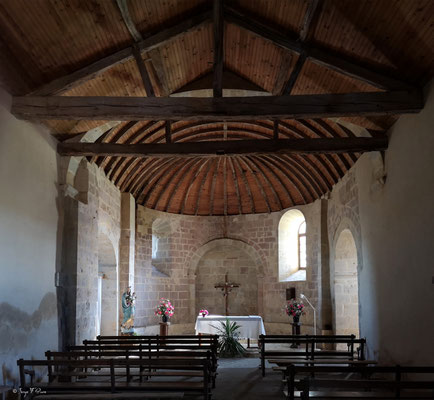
(356,347)
(284,364)
(372,382)
(150,346)
(86,354)
(118,376)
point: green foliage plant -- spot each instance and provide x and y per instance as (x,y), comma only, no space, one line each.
(229,346)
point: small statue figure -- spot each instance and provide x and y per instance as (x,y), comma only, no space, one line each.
(128,308)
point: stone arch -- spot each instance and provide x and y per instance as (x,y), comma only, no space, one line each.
(344,280)
(237,245)
(108,287)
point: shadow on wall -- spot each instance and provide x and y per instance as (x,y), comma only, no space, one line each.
(18,331)
(16,324)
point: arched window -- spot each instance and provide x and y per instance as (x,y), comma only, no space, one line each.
(302,245)
(292,246)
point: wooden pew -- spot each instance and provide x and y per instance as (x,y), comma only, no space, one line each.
(87,354)
(284,364)
(67,376)
(372,382)
(152,345)
(308,344)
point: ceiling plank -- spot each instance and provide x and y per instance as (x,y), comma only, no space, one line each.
(316,54)
(237,164)
(90,71)
(282,146)
(257,181)
(237,188)
(202,185)
(218,48)
(226,109)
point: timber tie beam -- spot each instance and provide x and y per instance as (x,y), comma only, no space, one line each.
(223,109)
(229,147)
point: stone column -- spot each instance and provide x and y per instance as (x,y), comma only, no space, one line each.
(325,314)
(127,245)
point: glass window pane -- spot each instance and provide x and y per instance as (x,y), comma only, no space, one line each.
(302,251)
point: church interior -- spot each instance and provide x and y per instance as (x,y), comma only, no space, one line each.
(228,155)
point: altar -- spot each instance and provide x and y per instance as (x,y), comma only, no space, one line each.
(251,326)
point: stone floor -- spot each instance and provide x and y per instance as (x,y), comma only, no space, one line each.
(241,379)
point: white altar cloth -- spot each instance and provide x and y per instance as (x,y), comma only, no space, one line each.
(251,326)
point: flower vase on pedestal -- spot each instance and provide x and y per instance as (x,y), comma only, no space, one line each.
(295,329)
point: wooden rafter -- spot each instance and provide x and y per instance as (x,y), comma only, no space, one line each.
(226,109)
(194,163)
(191,183)
(302,176)
(257,181)
(218,48)
(90,71)
(246,184)
(316,54)
(201,186)
(237,188)
(168,131)
(146,80)
(213,185)
(311,14)
(260,167)
(321,145)
(270,164)
(126,16)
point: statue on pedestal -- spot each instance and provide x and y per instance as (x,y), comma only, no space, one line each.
(128,308)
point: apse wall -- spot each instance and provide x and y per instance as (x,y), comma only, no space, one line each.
(389,208)
(187,240)
(28,233)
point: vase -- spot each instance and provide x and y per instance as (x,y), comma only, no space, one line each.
(296,319)
(165,318)
(203,315)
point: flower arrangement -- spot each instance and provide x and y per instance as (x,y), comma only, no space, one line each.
(130,298)
(203,312)
(294,308)
(164,308)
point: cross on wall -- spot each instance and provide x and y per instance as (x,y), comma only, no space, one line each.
(226,288)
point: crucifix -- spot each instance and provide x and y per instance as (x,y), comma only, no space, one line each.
(226,289)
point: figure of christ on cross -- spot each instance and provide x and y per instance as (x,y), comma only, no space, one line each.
(226,289)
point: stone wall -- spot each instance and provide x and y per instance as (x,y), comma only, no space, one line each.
(98,213)
(174,274)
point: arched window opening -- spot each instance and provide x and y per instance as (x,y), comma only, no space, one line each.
(292,246)
(302,246)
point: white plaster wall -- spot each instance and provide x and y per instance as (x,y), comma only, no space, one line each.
(28,229)
(397,221)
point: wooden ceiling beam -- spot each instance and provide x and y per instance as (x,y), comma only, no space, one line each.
(316,54)
(282,146)
(218,48)
(223,109)
(312,13)
(67,82)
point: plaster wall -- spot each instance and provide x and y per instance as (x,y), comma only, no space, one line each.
(388,207)
(397,224)
(28,234)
